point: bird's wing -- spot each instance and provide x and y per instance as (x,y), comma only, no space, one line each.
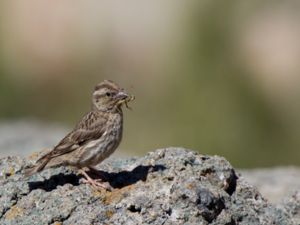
(91,127)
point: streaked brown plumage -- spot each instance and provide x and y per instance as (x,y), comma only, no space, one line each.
(95,137)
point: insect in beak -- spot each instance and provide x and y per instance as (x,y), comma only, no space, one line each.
(123,97)
(129,99)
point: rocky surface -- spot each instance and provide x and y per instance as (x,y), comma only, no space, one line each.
(167,186)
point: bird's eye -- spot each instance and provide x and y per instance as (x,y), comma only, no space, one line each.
(108,94)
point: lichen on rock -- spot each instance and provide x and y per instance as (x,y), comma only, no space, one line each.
(167,186)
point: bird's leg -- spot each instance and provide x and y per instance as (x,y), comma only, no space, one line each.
(95,183)
(98,173)
(93,170)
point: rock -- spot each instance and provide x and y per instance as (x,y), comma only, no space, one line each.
(168,186)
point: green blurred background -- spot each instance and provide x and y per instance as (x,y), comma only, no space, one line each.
(220,77)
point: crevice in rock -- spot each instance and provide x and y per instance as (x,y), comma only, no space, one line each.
(169,212)
(209,205)
(207,172)
(232,182)
(6,210)
(134,209)
(13,199)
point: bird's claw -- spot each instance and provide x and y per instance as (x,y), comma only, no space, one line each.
(97,184)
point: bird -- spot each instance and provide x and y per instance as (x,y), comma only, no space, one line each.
(94,138)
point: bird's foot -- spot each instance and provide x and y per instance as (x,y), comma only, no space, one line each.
(96,183)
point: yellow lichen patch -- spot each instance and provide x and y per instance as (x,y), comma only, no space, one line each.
(190,186)
(11,171)
(13,213)
(117,194)
(57,223)
(99,193)
(109,213)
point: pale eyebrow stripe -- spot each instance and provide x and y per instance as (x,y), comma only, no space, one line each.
(99,95)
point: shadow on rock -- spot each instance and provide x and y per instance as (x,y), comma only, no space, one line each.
(116,180)
(126,178)
(54,181)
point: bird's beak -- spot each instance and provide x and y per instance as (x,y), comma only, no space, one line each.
(121,95)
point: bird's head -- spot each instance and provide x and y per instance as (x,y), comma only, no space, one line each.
(108,96)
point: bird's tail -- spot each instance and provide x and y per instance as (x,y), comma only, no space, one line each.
(41,163)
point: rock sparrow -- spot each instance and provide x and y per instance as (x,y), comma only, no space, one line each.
(94,138)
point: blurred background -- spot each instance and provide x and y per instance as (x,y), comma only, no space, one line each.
(219,77)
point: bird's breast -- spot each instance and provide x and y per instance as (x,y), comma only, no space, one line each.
(98,150)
